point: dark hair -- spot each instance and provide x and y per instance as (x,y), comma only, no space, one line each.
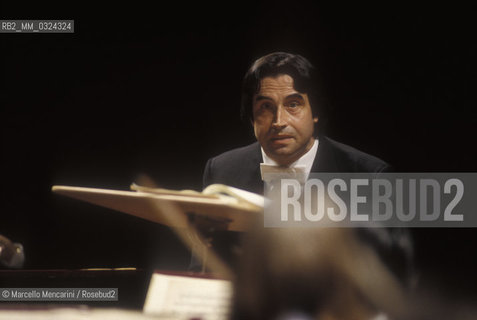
(273,64)
(395,247)
(312,270)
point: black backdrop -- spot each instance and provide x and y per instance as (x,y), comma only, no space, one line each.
(156,90)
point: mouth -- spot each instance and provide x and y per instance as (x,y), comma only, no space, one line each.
(281,138)
(280,141)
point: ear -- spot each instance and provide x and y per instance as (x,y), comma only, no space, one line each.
(315,119)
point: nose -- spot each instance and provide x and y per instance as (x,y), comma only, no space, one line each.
(279,121)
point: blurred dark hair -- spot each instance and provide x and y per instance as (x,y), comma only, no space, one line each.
(296,66)
(316,270)
(395,247)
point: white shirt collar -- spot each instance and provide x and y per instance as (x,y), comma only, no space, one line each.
(305,160)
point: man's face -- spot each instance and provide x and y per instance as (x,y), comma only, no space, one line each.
(282,119)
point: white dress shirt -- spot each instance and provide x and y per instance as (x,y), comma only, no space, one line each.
(302,165)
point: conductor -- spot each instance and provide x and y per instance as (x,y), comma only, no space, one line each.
(282,99)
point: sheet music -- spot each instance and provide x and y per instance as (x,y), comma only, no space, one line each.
(77,313)
(191,297)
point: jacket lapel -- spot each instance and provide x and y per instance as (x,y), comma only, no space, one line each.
(325,160)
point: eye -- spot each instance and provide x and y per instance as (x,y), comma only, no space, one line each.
(293,104)
(266,106)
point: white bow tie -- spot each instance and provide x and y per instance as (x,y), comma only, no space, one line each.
(273,172)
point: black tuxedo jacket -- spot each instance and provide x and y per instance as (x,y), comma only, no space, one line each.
(240,167)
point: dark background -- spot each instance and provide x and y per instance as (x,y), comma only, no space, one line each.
(157,91)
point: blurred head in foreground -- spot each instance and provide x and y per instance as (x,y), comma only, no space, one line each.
(319,273)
